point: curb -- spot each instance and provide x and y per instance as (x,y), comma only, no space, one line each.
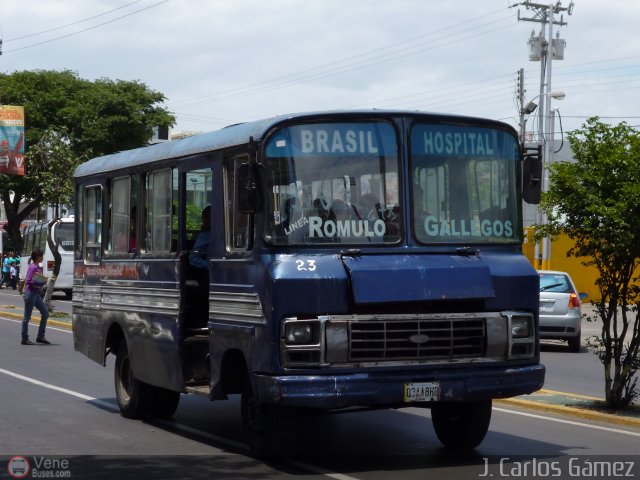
(579,412)
(36,320)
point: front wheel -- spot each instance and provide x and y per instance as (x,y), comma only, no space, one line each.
(461,425)
(134,397)
(268,430)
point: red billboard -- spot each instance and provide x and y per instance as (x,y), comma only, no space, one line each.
(11,140)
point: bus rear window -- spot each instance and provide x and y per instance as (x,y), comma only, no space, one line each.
(333,183)
(64,236)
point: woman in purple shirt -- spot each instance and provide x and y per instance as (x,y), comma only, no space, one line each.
(32,298)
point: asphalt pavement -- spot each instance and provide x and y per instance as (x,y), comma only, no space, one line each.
(551,401)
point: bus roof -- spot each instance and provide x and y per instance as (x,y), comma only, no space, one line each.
(239,134)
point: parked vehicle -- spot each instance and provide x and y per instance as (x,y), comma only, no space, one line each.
(560,312)
(35,236)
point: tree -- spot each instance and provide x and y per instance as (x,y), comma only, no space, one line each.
(51,160)
(94,119)
(596,202)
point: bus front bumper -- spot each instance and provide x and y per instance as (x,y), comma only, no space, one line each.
(333,391)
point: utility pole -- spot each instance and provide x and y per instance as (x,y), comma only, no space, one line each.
(545,50)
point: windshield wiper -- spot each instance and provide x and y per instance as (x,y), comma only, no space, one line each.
(352,252)
(467,251)
(553,285)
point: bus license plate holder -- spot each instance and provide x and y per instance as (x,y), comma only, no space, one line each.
(422,392)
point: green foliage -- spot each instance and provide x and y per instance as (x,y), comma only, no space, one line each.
(596,202)
(51,160)
(79,119)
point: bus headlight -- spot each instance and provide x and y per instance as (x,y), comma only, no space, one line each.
(301,333)
(520,327)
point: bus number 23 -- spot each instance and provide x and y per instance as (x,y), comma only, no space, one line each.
(306,265)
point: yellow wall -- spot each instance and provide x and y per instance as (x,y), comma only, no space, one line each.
(584,277)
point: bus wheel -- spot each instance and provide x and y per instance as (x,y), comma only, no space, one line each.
(268,430)
(165,402)
(461,425)
(134,397)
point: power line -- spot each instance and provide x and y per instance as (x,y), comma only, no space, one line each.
(339,67)
(71,24)
(88,28)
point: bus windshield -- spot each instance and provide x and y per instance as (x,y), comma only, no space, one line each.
(464,184)
(333,183)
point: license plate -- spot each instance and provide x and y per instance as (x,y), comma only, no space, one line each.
(547,306)
(422,392)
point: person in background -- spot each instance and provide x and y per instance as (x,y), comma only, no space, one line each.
(13,281)
(6,269)
(16,264)
(33,298)
(199,253)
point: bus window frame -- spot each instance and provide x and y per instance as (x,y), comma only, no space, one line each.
(112,239)
(231,208)
(143,217)
(85,224)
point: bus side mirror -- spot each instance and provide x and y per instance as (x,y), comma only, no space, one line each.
(532,175)
(246,188)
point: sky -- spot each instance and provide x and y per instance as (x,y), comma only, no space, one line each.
(220,62)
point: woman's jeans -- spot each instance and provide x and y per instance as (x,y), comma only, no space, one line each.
(33,299)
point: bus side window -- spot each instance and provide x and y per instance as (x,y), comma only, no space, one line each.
(123,216)
(159,216)
(238,226)
(93,224)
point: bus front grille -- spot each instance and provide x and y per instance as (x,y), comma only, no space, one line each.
(443,338)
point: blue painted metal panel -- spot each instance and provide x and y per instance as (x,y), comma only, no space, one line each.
(408,278)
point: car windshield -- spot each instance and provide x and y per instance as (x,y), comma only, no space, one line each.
(464,184)
(333,183)
(555,283)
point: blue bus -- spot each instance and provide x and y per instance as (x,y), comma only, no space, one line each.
(313,263)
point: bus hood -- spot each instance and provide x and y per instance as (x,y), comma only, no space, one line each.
(408,278)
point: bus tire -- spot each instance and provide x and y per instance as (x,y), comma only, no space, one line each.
(134,397)
(268,430)
(165,402)
(461,425)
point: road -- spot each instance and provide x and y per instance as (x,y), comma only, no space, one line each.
(56,402)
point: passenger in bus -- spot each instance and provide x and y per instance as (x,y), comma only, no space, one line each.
(198,257)
(33,286)
(370,207)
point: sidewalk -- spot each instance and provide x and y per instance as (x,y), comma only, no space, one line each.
(550,401)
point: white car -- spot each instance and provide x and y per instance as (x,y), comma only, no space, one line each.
(560,312)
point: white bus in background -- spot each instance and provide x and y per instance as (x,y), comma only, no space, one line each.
(62,234)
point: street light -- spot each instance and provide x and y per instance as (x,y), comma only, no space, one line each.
(548,159)
(545,125)
(530,107)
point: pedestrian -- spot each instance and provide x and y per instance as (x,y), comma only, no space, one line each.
(13,274)
(6,269)
(34,282)
(16,261)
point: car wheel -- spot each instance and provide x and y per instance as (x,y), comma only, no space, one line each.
(574,343)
